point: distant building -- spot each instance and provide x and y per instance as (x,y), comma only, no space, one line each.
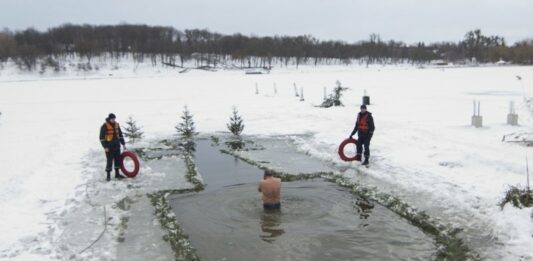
(439,62)
(501,62)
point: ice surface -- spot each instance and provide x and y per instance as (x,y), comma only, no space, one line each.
(132,232)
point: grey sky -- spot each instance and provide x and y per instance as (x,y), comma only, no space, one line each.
(349,20)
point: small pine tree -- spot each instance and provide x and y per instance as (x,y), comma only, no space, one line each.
(186,129)
(235,124)
(334,99)
(132,131)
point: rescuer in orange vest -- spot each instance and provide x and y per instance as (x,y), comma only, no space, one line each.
(111,138)
(364,126)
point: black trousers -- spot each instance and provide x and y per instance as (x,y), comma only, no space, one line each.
(363,141)
(272,205)
(113,156)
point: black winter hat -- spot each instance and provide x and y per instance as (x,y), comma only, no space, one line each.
(111,116)
(363,106)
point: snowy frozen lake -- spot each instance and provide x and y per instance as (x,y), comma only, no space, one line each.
(423,150)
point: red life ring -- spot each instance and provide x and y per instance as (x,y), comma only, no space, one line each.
(133,157)
(341,149)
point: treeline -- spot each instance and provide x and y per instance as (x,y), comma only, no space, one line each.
(172,47)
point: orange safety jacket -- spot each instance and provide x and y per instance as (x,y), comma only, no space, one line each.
(362,123)
(111,131)
(111,135)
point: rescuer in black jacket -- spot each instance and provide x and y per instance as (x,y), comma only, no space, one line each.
(364,126)
(111,138)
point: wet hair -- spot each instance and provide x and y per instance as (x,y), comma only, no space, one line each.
(111,116)
(268,172)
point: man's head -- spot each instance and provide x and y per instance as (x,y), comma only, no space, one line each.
(268,173)
(111,117)
(363,108)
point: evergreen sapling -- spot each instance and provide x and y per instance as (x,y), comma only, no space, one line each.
(132,131)
(186,129)
(334,98)
(236,125)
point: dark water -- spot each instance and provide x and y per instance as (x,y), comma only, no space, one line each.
(318,220)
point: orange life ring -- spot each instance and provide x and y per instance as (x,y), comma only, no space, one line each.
(341,149)
(133,157)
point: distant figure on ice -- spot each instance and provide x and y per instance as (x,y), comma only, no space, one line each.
(364,126)
(111,138)
(271,189)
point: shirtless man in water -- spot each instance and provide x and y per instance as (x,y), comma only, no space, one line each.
(271,189)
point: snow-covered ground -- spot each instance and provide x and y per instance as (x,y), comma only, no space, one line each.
(423,149)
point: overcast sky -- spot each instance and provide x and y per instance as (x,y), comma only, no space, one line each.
(350,20)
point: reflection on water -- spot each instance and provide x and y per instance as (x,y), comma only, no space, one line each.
(364,208)
(270,225)
(318,220)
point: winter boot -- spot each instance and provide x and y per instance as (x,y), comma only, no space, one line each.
(358,157)
(117,175)
(108,175)
(366,161)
